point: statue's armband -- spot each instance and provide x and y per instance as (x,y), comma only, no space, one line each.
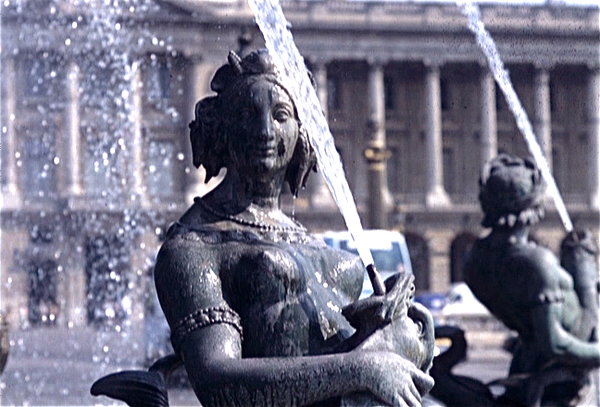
(202,318)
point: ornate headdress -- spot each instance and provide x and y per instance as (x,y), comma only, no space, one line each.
(511,191)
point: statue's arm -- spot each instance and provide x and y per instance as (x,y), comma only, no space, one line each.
(548,313)
(221,377)
(578,254)
(560,344)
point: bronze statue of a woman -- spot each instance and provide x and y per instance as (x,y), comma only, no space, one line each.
(261,312)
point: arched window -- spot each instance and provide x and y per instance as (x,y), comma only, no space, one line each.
(459,249)
(419,257)
(106,265)
(42,299)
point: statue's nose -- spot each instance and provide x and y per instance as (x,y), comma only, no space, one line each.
(266,128)
(421,316)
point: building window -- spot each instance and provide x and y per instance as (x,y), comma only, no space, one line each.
(552,97)
(449,173)
(40,168)
(160,168)
(334,97)
(100,163)
(40,76)
(501,105)
(101,86)
(459,249)
(557,172)
(159,80)
(42,299)
(389,92)
(445,95)
(108,296)
(394,171)
(419,258)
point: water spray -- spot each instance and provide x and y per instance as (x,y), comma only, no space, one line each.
(488,46)
(280,43)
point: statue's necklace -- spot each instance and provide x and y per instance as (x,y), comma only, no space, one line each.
(248,222)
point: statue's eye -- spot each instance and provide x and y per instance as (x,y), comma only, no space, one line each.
(281,114)
(419,326)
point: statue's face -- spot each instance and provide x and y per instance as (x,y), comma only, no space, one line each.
(264,133)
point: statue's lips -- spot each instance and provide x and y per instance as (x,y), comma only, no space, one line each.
(264,151)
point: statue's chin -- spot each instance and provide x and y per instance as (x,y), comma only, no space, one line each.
(261,166)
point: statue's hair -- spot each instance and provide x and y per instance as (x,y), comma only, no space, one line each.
(511,192)
(213,115)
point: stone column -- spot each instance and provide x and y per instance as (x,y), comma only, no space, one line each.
(542,122)
(137,142)
(436,195)
(439,241)
(376,152)
(200,73)
(73,153)
(320,197)
(76,297)
(75,286)
(489,125)
(593,106)
(10,186)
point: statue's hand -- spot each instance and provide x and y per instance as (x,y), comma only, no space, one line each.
(392,322)
(577,250)
(377,311)
(394,380)
(578,256)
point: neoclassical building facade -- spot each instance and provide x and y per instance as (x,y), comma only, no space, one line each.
(96,102)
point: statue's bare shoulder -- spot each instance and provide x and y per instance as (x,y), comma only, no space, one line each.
(187,274)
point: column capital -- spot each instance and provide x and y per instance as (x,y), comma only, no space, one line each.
(192,55)
(594,68)
(376,61)
(318,61)
(483,64)
(432,63)
(544,66)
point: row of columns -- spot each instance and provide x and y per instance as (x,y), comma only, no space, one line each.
(200,73)
(436,196)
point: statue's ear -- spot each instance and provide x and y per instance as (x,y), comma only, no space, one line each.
(207,144)
(303,161)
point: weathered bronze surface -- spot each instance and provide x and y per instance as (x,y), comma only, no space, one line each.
(261,312)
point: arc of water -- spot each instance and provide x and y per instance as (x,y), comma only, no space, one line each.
(488,46)
(271,21)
